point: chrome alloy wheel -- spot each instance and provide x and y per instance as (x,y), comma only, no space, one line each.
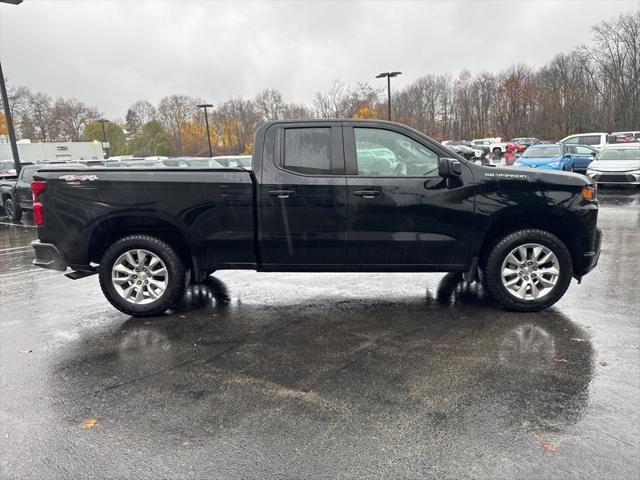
(139,276)
(530,271)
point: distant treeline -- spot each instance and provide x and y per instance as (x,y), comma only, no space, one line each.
(595,87)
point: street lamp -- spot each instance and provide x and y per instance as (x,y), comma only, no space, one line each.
(388,75)
(105,144)
(7,111)
(206,121)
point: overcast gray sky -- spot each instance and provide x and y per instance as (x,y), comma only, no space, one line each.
(111,53)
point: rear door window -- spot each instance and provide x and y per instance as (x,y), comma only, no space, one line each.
(308,150)
(589,139)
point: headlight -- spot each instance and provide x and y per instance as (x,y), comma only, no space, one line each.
(554,164)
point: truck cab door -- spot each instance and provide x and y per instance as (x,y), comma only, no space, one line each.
(23,194)
(302,198)
(402,214)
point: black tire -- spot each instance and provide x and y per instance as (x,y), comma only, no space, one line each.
(13,211)
(492,270)
(497,151)
(176,282)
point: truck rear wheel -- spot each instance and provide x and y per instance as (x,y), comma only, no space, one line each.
(528,270)
(142,275)
(13,211)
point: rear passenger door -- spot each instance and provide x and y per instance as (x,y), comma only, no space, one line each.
(303,198)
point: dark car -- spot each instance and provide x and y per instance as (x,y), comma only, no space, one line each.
(462,150)
(16,192)
(322,195)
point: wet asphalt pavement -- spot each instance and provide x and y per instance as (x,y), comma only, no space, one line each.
(323,375)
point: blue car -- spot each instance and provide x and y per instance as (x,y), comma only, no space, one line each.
(570,158)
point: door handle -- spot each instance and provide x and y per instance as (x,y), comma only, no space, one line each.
(367,193)
(282,193)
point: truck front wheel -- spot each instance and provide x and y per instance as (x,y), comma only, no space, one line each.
(528,270)
(142,275)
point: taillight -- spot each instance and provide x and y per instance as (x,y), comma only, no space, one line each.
(37,187)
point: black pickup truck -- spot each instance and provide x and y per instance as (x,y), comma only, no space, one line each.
(322,195)
(16,192)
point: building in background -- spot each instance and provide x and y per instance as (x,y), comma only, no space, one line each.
(53,152)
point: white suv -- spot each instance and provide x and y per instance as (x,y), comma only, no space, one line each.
(595,140)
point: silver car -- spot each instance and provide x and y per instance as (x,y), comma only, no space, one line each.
(617,164)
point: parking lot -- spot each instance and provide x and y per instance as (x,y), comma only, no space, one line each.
(332,375)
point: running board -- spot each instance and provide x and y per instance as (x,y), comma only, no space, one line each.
(77,275)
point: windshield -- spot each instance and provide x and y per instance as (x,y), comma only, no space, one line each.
(548,151)
(620,154)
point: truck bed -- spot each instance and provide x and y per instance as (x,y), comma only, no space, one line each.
(212,209)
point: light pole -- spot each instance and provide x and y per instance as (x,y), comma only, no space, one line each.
(105,144)
(7,111)
(388,75)
(204,106)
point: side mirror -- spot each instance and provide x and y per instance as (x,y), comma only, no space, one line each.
(593,154)
(567,155)
(449,167)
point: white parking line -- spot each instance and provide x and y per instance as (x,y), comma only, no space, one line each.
(17,225)
(15,248)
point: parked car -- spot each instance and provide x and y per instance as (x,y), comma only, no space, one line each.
(234,161)
(595,140)
(456,142)
(15,192)
(500,148)
(466,152)
(525,141)
(617,164)
(483,143)
(311,204)
(626,137)
(7,169)
(553,157)
(582,156)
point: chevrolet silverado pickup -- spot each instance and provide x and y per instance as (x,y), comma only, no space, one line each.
(322,195)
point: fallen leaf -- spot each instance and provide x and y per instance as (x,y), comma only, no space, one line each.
(560,360)
(578,339)
(548,448)
(25,351)
(604,364)
(186,443)
(183,316)
(89,423)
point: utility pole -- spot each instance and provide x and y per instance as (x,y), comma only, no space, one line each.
(204,106)
(105,144)
(9,120)
(388,75)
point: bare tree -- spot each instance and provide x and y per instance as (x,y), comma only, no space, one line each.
(175,112)
(41,114)
(144,112)
(269,105)
(70,116)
